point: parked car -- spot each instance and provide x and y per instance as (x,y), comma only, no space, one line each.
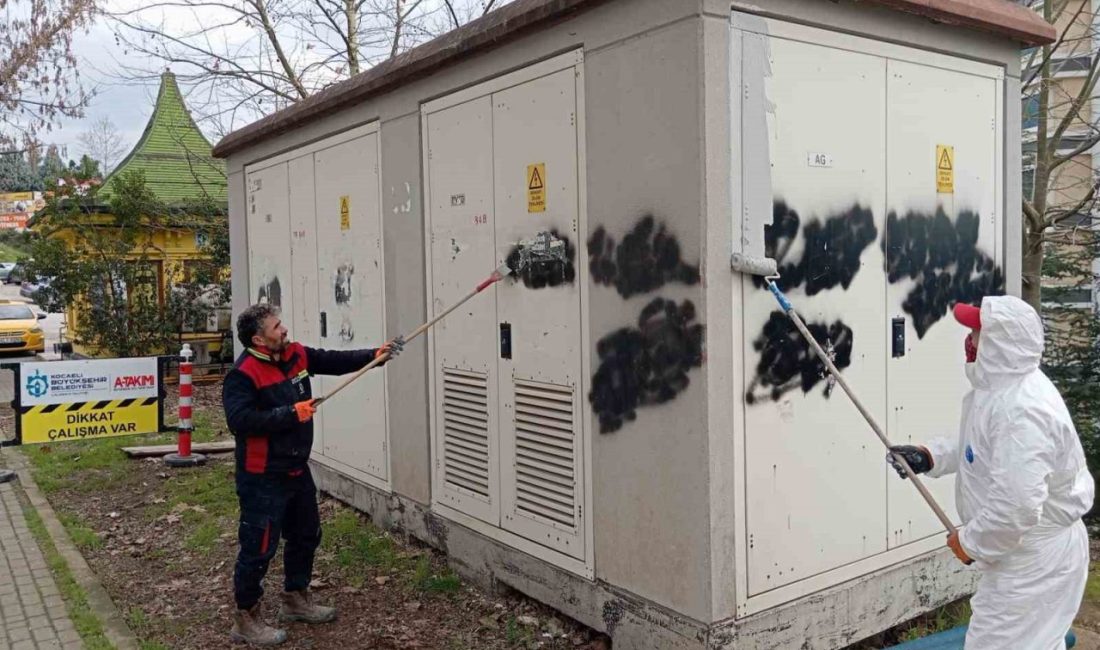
(16,274)
(5,269)
(31,288)
(19,329)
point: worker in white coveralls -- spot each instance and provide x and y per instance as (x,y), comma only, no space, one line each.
(1021,484)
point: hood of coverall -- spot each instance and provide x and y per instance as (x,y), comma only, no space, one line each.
(1011,343)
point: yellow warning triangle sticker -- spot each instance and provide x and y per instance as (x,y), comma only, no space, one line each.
(945,160)
(536,180)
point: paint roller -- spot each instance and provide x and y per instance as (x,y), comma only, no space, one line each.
(544,248)
(767,267)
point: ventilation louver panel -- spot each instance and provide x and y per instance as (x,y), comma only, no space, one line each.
(466,431)
(545,453)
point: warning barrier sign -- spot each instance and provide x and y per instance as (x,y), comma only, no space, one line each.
(536,187)
(79,400)
(82,420)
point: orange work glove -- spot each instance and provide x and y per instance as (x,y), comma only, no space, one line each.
(956,546)
(305,410)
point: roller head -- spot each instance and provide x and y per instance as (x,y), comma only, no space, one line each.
(763,266)
(543,248)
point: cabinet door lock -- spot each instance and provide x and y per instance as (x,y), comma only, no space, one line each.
(505,340)
(897,337)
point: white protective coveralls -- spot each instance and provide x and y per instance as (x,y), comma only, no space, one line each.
(1021,489)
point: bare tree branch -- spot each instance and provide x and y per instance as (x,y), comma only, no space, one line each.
(454,16)
(240,60)
(103,143)
(39,80)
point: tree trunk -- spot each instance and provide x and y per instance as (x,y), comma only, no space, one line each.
(351,17)
(1033,269)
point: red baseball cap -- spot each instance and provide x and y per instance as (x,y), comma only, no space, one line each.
(968,315)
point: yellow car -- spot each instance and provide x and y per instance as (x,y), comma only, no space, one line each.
(19,330)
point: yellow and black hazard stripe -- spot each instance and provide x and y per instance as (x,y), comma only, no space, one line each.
(104,405)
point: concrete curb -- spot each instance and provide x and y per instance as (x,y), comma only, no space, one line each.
(114,625)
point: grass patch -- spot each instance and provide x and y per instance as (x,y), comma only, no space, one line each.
(1092,587)
(515,633)
(71,463)
(357,548)
(358,545)
(85,538)
(204,538)
(137,619)
(76,601)
(213,490)
(96,464)
(426,580)
(944,618)
(9,253)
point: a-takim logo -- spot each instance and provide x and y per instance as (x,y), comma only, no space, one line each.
(134,382)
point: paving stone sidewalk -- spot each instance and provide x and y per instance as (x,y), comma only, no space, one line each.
(32,611)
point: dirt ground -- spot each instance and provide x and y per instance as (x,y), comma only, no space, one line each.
(163,543)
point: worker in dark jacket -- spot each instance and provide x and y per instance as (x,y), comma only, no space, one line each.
(269,408)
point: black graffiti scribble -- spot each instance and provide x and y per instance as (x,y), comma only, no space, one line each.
(342,284)
(545,273)
(787,362)
(646,365)
(830,257)
(271,293)
(347,330)
(647,259)
(944,260)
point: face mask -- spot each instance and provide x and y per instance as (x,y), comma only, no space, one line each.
(971,349)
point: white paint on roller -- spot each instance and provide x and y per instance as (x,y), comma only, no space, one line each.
(749,104)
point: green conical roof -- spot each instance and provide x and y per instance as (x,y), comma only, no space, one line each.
(173,153)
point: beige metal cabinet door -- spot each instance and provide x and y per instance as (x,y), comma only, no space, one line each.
(941,248)
(535,162)
(268,236)
(304,319)
(349,241)
(461,223)
(815,479)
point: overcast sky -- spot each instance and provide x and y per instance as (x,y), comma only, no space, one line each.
(129,104)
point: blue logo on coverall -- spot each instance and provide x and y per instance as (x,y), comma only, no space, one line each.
(969,455)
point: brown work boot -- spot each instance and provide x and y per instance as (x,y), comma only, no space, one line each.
(248,627)
(298,606)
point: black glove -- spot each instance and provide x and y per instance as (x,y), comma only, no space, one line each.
(919,459)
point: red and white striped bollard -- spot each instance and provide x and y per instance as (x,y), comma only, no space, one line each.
(183,456)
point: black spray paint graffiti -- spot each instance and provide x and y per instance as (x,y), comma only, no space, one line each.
(787,362)
(540,274)
(342,284)
(830,258)
(646,365)
(940,255)
(832,249)
(271,293)
(647,259)
(943,258)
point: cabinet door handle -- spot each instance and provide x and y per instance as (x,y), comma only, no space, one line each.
(324,325)
(505,340)
(897,337)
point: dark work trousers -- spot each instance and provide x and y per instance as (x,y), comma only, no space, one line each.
(274,506)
